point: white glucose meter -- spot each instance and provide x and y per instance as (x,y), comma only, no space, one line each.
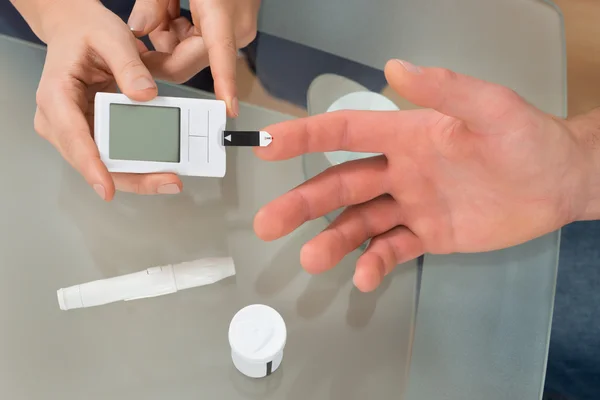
(167,134)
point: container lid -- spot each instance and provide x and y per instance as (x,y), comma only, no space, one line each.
(257,333)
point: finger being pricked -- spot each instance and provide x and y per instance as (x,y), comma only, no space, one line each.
(350,183)
(358,131)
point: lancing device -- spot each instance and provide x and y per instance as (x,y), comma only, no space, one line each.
(246,139)
(152,282)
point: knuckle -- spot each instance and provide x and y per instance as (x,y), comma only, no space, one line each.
(181,77)
(72,144)
(39,126)
(246,39)
(304,205)
(178,79)
(41,96)
(506,104)
(230,44)
(508,94)
(177,75)
(446,75)
(227,44)
(365,221)
(345,240)
(345,133)
(341,187)
(444,80)
(247,31)
(134,65)
(67,145)
(144,185)
(137,187)
(393,248)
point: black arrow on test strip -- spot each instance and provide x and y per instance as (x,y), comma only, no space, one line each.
(246,139)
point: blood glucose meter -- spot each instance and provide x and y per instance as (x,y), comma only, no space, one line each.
(167,134)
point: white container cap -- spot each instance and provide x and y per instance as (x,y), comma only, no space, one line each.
(257,336)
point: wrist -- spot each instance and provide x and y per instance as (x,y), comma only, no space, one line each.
(586,131)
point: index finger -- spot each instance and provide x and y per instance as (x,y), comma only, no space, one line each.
(358,131)
(216,24)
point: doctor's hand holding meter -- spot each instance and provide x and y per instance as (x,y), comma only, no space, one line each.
(90,50)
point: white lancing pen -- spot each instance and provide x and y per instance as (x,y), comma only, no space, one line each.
(152,282)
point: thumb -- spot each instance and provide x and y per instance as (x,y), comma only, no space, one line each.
(121,54)
(147,15)
(480,104)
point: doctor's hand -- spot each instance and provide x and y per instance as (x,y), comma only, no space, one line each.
(220,28)
(90,49)
(480,169)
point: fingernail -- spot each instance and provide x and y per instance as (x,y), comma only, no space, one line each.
(137,22)
(409,67)
(143,83)
(235,107)
(170,188)
(100,190)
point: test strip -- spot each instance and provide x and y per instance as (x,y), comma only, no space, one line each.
(246,138)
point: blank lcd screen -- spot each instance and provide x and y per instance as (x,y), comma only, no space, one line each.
(144,133)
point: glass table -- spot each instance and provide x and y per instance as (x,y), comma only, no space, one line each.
(455,327)
(56,233)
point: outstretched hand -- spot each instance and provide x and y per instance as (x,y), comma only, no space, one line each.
(480,169)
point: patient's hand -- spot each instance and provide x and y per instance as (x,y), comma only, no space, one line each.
(479,170)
